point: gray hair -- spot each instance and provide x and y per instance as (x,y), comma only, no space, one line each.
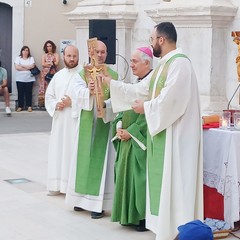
(146,57)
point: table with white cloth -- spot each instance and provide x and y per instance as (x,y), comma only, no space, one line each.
(221,170)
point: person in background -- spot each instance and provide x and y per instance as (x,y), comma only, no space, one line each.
(24,79)
(130,131)
(4,88)
(91,178)
(61,106)
(49,58)
(171,104)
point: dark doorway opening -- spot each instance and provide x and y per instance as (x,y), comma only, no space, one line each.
(6,40)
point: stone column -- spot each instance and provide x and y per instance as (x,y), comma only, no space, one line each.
(202,33)
(122,11)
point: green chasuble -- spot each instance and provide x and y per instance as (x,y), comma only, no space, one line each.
(92,145)
(129,202)
(156,144)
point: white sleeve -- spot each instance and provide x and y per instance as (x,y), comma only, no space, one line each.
(50,98)
(123,95)
(17,60)
(109,114)
(32,61)
(84,100)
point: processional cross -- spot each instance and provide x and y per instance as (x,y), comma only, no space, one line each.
(91,73)
(236,39)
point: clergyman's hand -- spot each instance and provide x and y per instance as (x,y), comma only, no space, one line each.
(123,134)
(67,101)
(105,79)
(91,86)
(60,106)
(138,106)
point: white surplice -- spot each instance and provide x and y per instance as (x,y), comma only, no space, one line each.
(63,128)
(104,200)
(176,109)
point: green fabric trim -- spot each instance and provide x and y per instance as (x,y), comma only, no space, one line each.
(112,73)
(92,148)
(163,76)
(155,156)
(136,129)
(82,74)
(156,145)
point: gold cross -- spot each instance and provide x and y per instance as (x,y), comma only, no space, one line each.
(91,73)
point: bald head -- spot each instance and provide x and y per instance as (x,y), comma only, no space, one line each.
(70,56)
(101,51)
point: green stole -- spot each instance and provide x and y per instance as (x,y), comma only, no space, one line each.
(92,145)
(156,144)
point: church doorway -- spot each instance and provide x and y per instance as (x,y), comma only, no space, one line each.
(6,40)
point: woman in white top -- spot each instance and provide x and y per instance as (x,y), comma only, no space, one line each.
(24,79)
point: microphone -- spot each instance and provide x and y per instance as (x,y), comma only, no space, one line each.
(233,96)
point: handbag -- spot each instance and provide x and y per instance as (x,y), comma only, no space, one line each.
(35,71)
(51,73)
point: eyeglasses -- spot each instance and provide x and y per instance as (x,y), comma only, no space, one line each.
(151,39)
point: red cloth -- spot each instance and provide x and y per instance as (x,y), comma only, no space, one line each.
(213,203)
(211,125)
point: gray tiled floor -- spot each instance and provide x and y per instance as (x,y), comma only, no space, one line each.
(26,212)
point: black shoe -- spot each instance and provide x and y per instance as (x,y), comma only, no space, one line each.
(78,209)
(141,227)
(97,215)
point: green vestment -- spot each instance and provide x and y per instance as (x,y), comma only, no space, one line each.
(92,145)
(130,171)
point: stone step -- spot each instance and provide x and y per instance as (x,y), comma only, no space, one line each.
(13,99)
(12,102)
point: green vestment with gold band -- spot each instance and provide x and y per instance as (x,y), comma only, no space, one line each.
(156,144)
(92,146)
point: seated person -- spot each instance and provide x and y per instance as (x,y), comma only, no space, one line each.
(4,89)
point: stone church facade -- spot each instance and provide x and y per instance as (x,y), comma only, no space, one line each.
(204,32)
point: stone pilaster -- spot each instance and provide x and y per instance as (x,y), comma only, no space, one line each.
(122,11)
(202,28)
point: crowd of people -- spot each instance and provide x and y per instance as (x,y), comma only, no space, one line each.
(142,160)
(25,78)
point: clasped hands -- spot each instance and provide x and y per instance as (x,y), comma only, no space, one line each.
(123,134)
(65,102)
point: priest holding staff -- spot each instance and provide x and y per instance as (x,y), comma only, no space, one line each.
(170,102)
(91,175)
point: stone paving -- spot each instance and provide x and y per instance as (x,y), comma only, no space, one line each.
(26,212)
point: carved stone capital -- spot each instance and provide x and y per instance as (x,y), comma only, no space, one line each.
(209,13)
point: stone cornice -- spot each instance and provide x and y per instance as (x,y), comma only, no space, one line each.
(193,15)
(105,2)
(125,14)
